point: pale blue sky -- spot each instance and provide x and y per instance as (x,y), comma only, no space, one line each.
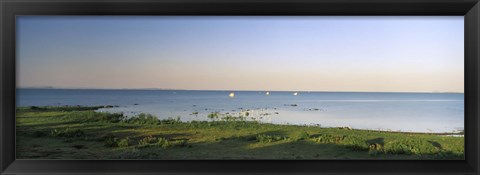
(323,53)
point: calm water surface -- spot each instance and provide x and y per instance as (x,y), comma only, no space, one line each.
(411,112)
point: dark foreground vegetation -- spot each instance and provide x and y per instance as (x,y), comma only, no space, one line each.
(81,133)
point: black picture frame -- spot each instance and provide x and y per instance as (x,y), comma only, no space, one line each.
(9,9)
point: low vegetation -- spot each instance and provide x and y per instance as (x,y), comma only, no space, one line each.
(78,132)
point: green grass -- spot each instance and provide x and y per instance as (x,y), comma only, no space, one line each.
(81,133)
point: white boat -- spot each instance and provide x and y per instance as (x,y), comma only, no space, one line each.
(267,93)
(295,93)
(231,95)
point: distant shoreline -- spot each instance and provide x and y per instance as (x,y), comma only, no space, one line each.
(159,89)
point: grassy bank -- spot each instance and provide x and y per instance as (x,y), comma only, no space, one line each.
(81,133)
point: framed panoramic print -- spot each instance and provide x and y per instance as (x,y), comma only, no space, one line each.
(314,86)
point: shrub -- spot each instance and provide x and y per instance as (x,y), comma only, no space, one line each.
(374,149)
(375,146)
(110,141)
(351,142)
(326,138)
(143,119)
(410,146)
(176,143)
(164,143)
(230,118)
(92,116)
(303,136)
(170,120)
(270,138)
(398,148)
(147,141)
(36,108)
(355,143)
(160,142)
(213,115)
(247,138)
(109,117)
(123,142)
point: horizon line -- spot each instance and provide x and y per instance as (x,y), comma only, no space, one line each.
(229,90)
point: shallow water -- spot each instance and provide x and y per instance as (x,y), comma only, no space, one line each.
(410,112)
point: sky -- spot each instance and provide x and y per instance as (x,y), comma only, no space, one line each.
(277,53)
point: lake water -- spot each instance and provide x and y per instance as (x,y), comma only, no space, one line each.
(408,112)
